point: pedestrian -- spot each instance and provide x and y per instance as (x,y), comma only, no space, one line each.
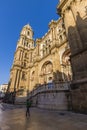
(50,83)
(27,108)
(28,104)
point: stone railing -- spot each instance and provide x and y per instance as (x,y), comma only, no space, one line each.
(64,86)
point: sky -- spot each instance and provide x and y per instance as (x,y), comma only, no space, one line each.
(14,14)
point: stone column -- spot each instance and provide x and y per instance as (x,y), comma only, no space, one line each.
(18,79)
(28,80)
(56,65)
(71,31)
(13,81)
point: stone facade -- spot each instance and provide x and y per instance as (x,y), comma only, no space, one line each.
(74,14)
(41,61)
(47,60)
(3,89)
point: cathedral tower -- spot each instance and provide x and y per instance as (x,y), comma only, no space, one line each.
(18,73)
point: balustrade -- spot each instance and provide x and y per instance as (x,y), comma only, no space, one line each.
(50,87)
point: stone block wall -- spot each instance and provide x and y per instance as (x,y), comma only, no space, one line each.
(79,97)
(52,98)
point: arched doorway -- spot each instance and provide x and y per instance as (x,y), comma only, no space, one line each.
(66,66)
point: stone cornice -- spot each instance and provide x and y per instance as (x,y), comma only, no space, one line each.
(23,48)
(64,5)
(52,24)
(61,4)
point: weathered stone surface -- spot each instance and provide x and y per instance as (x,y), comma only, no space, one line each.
(75,20)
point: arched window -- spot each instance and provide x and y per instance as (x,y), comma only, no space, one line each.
(59,30)
(24,64)
(32,76)
(28,33)
(61,37)
(24,43)
(64,34)
(25,55)
(23,76)
(49,48)
(27,44)
(48,40)
(46,71)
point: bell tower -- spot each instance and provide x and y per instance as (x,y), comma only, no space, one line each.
(26,38)
(18,73)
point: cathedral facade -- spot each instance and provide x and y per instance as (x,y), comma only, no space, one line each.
(40,61)
(49,60)
(74,14)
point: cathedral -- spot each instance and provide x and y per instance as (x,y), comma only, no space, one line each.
(58,58)
(35,62)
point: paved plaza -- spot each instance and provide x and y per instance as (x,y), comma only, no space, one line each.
(13,118)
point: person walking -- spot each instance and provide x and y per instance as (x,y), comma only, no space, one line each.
(28,104)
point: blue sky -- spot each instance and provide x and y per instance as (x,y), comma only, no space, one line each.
(14,14)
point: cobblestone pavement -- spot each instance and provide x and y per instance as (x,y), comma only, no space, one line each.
(13,118)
